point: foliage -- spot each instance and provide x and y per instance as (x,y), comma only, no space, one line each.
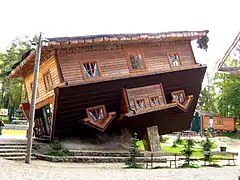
(179,141)
(207,146)
(212,165)
(188,150)
(198,152)
(132,161)
(12,90)
(161,167)
(202,42)
(163,139)
(56,145)
(206,99)
(189,166)
(63,152)
(228,99)
(209,143)
(174,144)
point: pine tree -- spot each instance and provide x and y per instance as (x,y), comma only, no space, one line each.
(134,153)
(188,151)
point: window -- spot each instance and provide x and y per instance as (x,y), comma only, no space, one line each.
(136,61)
(174,59)
(179,96)
(97,113)
(90,69)
(37,94)
(48,81)
(220,122)
(154,101)
(140,103)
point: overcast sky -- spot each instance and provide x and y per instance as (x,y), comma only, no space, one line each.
(76,17)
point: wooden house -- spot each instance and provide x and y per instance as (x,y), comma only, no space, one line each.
(221,123)
(107,83)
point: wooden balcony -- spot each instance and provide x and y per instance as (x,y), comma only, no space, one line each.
(148,110)
(143,102)
(100,125)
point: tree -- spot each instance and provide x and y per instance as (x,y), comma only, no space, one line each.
(12,90)
(188,150)
(228,99)
(134,153)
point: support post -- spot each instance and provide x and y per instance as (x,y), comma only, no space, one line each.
(33,101)
(151,139)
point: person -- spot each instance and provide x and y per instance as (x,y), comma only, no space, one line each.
(1,125)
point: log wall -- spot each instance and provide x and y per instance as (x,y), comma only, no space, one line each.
(145,92)
(114,63)
(47,65)
(228,124)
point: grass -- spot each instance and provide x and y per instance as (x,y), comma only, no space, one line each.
(197,154)
(230,134)
(161,167)
(4,118)
(11,131)
(212,165)
(189,166)
(134,167)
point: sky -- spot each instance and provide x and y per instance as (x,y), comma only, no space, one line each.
(77,17)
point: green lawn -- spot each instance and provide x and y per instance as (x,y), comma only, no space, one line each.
(10,131)
(197,154)
(4,118)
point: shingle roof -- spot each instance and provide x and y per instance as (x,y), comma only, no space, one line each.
(163,36)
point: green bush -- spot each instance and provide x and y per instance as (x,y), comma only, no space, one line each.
(132,161)
(179,141)
(174,144)
(211,144)
(56,145)
(188,151)
(163,139)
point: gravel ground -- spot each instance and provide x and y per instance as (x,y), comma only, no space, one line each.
(44,170)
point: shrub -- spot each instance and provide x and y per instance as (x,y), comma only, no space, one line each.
(174,144)
(132,161)
(163,139)
(179,141)
(188,151)
(56,145)
(210,143)
(207,146)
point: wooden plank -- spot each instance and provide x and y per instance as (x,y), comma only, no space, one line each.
(47,65)
(113,63)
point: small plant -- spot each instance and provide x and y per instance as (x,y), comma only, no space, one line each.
(189,166)
(179,141)
(56,145)
(133,162)
(212,165)
(207,146)
(174,144)
(188,150)
(163,139)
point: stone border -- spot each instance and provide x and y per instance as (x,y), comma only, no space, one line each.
(80,159)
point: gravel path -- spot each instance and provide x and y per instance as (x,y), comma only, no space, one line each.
(44,170)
